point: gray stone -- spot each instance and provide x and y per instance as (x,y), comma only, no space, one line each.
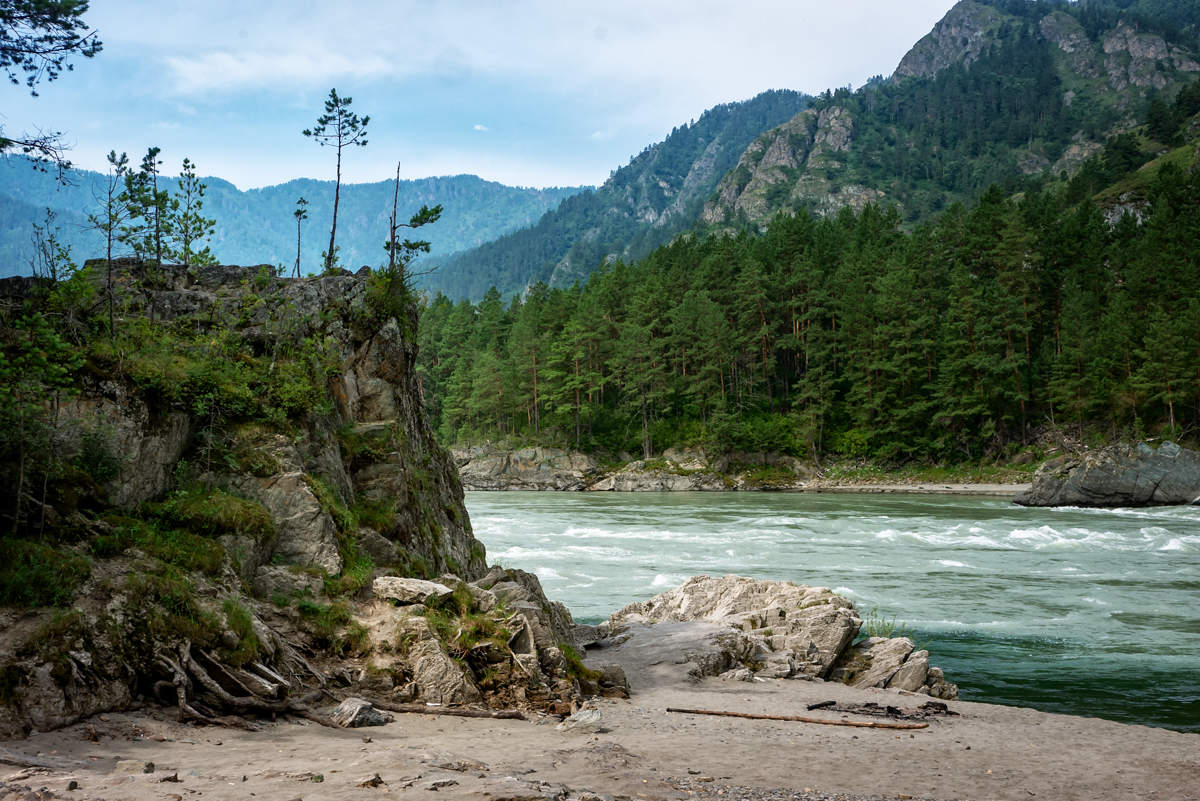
(285,580)
(1140,475)
(912,674)
(872,662)
(585,721)
(439,678)
(383,552)
(408,590)
(307,534)
(354,712)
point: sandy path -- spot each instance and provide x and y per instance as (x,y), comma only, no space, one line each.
(988,752)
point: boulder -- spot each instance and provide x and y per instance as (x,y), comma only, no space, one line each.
(439,678)
(354,712)
(307,533)
(271,581)
(774,629)
(873,662)
(585,721)
(408,590)
(912,674)
(521,591)
(1139,475)
(381,550)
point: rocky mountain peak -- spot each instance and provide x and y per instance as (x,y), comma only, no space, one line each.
(959,37)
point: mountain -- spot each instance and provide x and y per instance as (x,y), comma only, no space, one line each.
(256,225)
(646,203)
(1000,91)
(1008,92)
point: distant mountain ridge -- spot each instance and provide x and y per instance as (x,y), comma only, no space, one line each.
(646,203)
(256,225)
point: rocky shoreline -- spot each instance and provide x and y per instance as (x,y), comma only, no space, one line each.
(492,468)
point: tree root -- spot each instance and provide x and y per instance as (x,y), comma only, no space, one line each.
(208,691)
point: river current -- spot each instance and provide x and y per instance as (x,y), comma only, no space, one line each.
(1084,611)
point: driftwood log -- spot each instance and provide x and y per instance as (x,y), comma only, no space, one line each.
(861,724)
(452,711)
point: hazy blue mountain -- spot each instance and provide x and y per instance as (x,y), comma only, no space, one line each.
(256,226)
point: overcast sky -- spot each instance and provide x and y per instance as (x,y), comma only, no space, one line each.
(526,92)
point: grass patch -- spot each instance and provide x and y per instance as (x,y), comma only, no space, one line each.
(875,624)
(167,601)
(176,547)
(343,518)
(575,667)
(241,624)
(356,568)
(36,574)
(214,512)
(325,623)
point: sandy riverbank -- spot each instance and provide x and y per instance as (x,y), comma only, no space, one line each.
(643,752)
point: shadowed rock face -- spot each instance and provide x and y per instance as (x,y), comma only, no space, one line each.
(1139,475)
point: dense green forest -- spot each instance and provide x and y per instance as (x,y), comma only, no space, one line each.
(850,335)
(643,205)
(257,225)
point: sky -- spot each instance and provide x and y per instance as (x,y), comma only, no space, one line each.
(524,92)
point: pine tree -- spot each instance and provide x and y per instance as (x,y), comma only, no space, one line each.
(186,226)
(339,128)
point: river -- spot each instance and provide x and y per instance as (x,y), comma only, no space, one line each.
(1083,611)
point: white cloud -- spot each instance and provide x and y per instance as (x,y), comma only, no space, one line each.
(479,127)
(662,53)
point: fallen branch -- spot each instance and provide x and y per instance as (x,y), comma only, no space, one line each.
(453,711)
(856,723)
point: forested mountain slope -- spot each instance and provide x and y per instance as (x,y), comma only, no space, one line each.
(1069,308)
(257,225)
(643,205)
(1003,92)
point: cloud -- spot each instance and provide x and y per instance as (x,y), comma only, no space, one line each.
(225,71)
(478,127)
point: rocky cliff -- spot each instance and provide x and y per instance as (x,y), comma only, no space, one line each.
(226,472)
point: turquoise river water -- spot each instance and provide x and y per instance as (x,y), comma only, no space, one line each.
(1084,611)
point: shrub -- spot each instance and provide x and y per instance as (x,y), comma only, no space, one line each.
(35,574)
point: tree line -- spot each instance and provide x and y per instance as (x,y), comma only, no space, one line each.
(959,339)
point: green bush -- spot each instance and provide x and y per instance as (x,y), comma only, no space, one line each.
(35,574)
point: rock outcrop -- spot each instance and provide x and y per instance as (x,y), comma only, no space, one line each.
(226,518)
(494,467)
(500,643)
(1139,475)
(743,628)
(487,468)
